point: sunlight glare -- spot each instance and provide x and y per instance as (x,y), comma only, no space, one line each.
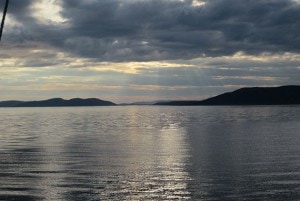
(48,12)
(198,3)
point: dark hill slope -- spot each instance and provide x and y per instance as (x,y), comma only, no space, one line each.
(284,95)
(11,103)
(58,102)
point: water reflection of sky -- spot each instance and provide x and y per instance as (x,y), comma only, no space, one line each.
(157,167)
(154,160)
(128,157)
(150,153)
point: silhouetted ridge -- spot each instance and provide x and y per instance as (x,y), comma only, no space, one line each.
(58,102)
(284,95)
(11,103)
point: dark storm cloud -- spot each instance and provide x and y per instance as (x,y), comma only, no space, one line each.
(18,8)
(27,28)
(136,30)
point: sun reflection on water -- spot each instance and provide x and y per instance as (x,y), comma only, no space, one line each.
(156,166)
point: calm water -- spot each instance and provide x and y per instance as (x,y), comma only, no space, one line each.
(150,153)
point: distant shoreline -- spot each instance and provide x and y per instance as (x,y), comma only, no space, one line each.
(58,102)
(283,95)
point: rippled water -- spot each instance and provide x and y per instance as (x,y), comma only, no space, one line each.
(150,153)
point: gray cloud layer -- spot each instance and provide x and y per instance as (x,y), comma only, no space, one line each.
(136,30)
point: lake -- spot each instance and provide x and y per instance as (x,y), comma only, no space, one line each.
(150,153)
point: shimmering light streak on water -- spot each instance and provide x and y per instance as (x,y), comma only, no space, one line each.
(150,153)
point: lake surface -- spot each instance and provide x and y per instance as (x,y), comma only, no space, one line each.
(150,153)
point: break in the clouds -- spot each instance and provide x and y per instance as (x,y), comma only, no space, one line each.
(162,49)
(135,30)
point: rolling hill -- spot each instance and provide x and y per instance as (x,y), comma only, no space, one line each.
(58,102)
(284,95)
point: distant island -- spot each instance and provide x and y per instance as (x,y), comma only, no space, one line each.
(284,95)
(58,102)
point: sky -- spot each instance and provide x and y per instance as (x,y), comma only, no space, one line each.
(146,50)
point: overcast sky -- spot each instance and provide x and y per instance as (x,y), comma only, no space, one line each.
(140,50)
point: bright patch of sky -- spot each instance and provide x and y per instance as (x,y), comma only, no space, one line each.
(198,3)
(47,11)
